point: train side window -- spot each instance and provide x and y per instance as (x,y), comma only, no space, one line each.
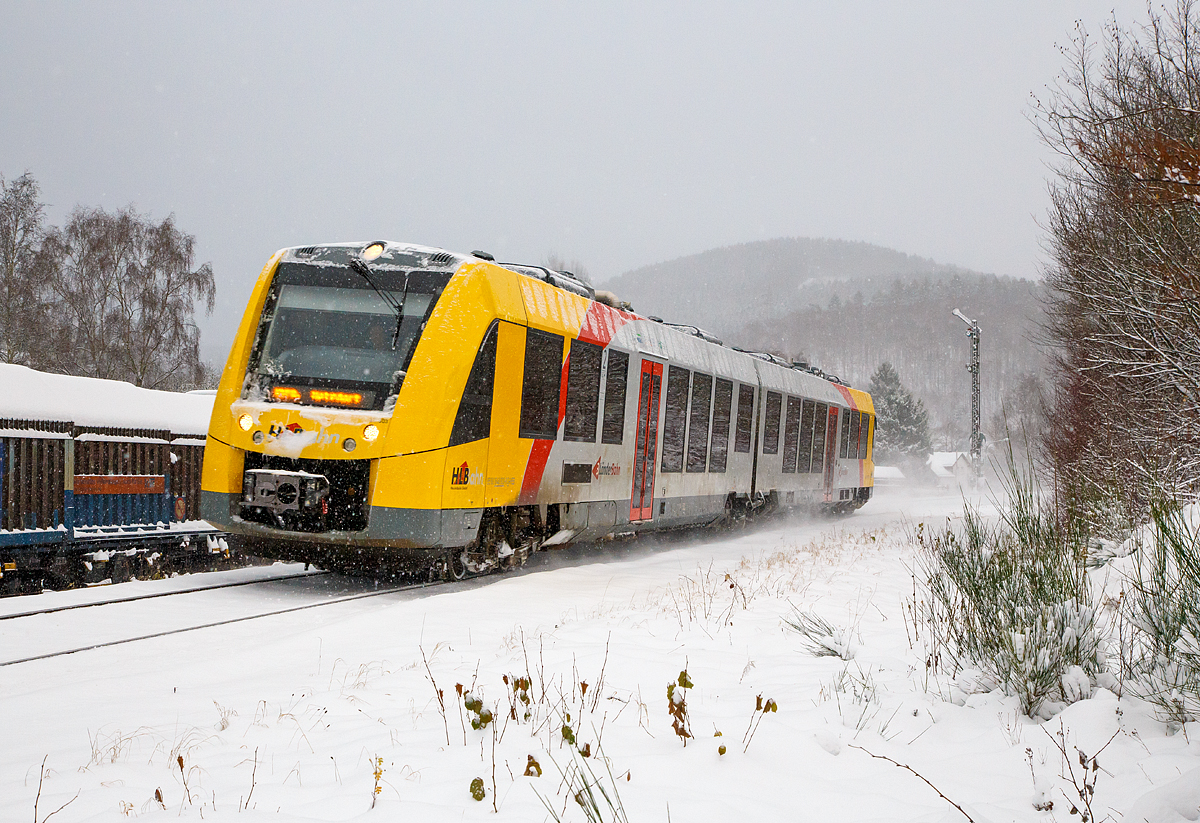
(745,419)
(615,381)
(583,392)
(804,461)
(697,449)
(474,418)
(820,421)
(844,439)
(675,419)
(791,434)
(855,424)
(542,385)
(866,435)
(718,449)
(771,432)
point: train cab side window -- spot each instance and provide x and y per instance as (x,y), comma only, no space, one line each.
(697,448)
(866,435)
(675,419)
(820,421)
(791,434)
(771,432)
(845,434)
(745,419)
(542,385)
(583,392)
(474,418)
(718,449)
(804,459)
(855,424)
(615,380)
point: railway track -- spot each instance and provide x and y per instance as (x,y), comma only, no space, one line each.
(151,596)
(185,629)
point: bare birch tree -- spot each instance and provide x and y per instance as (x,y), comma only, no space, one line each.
(24,295)
(127,290)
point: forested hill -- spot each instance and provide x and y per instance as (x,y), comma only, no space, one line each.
(847,307)
(720,289)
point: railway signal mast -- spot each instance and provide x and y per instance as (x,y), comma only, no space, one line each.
(973,368)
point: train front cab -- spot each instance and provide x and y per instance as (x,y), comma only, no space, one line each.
(475,419)
(404,468)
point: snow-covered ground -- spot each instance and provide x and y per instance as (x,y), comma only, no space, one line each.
(302,716)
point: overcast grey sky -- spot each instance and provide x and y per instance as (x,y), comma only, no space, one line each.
(618,134)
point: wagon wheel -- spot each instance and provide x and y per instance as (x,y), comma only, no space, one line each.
(482,556)
(456,565)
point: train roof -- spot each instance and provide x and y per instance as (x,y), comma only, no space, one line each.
(402,255)
(88,401)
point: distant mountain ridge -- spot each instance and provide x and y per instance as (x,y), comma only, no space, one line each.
(847,307)
(723,289)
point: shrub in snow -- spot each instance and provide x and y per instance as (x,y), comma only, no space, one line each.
(479,714)
(821,638)
(1012,600)
(1161,610)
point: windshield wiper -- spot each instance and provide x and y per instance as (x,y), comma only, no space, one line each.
(364,271)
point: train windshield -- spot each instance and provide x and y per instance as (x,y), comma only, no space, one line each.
(337,344)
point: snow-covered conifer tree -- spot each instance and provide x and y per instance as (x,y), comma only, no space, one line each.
(902,424)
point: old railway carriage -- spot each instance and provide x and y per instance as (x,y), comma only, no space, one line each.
(387,401)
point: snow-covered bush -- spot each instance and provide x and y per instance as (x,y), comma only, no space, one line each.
(1161,610)
(1011,599)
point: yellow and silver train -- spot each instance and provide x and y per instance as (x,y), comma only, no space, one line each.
(391,403)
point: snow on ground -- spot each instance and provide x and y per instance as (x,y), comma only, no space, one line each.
(301,716)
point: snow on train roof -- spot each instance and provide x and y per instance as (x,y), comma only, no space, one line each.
(26,394)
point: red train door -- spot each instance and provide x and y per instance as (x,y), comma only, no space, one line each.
(831,451)
(645,449)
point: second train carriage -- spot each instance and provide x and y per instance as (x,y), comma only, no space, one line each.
(97,479)
(390,401)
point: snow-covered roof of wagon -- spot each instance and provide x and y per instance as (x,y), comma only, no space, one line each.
(26,394)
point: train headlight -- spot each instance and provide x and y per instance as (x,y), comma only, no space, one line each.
(370,432)
(245,421)
(372,251)
(348,444)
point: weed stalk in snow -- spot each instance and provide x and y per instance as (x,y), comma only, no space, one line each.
(919,776)
(761,707)
(596,796)
(677,706)
(377,771)
(253,780)
(441,701)
(1084,783)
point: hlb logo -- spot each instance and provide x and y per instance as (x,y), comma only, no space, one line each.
(460,475)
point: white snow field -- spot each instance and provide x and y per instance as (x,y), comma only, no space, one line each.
(330,714)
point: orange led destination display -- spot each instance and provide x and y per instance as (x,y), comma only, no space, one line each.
(325,397)
(285,394)
(340,398)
